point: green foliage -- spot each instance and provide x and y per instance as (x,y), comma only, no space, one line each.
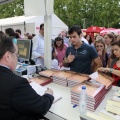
(90,12)
(12,9)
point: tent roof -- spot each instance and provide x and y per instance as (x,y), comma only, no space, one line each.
(93,29)
(56,22)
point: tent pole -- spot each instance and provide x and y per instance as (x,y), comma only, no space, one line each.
(24,27)
(47,39)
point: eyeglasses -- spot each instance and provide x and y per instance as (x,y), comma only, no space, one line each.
(17,54)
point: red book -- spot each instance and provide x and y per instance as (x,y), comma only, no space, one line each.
(41,80)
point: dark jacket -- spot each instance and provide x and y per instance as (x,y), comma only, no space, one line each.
(18,101)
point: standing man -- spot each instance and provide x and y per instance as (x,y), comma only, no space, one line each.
(63,34)
(38,47)
(18,101)
(80,55)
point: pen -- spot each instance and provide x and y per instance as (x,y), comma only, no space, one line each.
(74,106)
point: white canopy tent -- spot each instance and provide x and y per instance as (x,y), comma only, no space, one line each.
(40,7)
(31,24)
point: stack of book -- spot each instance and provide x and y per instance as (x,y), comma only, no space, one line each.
(103,79)
(112,110)
(76,79)
(95,94)
(48,73)
(60,77)
(41,80)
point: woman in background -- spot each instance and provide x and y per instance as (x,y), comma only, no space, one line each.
(109,38)
(88,38)
(60,50)
(115,64)
(100,47)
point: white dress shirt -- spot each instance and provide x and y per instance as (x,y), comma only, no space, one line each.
(55,64)
(84,40)
(38,49)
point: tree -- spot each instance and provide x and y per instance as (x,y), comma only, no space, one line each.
(12,9)
(93,12)
(81,12)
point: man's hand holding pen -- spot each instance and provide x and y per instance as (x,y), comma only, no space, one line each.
(49,91)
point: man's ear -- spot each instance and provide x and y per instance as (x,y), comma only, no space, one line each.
(7,56)
(81,35)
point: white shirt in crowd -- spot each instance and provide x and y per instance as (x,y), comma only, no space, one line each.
(38,49)
(55,64)
(84,40)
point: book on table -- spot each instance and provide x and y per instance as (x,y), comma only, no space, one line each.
(76,79)
(93,89)
(48,73)
(95,94)
(102,78)
(113,109)
(41,80)
(115,101)
(60,77)
(108,115)
(41,90)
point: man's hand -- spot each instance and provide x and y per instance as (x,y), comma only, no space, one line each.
(70,58)
(50,91)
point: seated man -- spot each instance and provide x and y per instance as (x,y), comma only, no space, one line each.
(18,101)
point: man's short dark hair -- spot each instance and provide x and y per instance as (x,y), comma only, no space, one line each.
(18,30)
(75,28)
(41,25)
(10,32)
(6,44)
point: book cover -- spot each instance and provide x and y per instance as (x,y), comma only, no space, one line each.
(69,71)
(92,88)
(109,115)
(102,78)
(62,74)
(78,78)
(113,109)
(41,80)
(115,100)
(48,73)
(93,101)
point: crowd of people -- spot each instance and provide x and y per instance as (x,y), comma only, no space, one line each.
(82,54)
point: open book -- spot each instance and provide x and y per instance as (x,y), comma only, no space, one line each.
(102,78)
(41,90)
